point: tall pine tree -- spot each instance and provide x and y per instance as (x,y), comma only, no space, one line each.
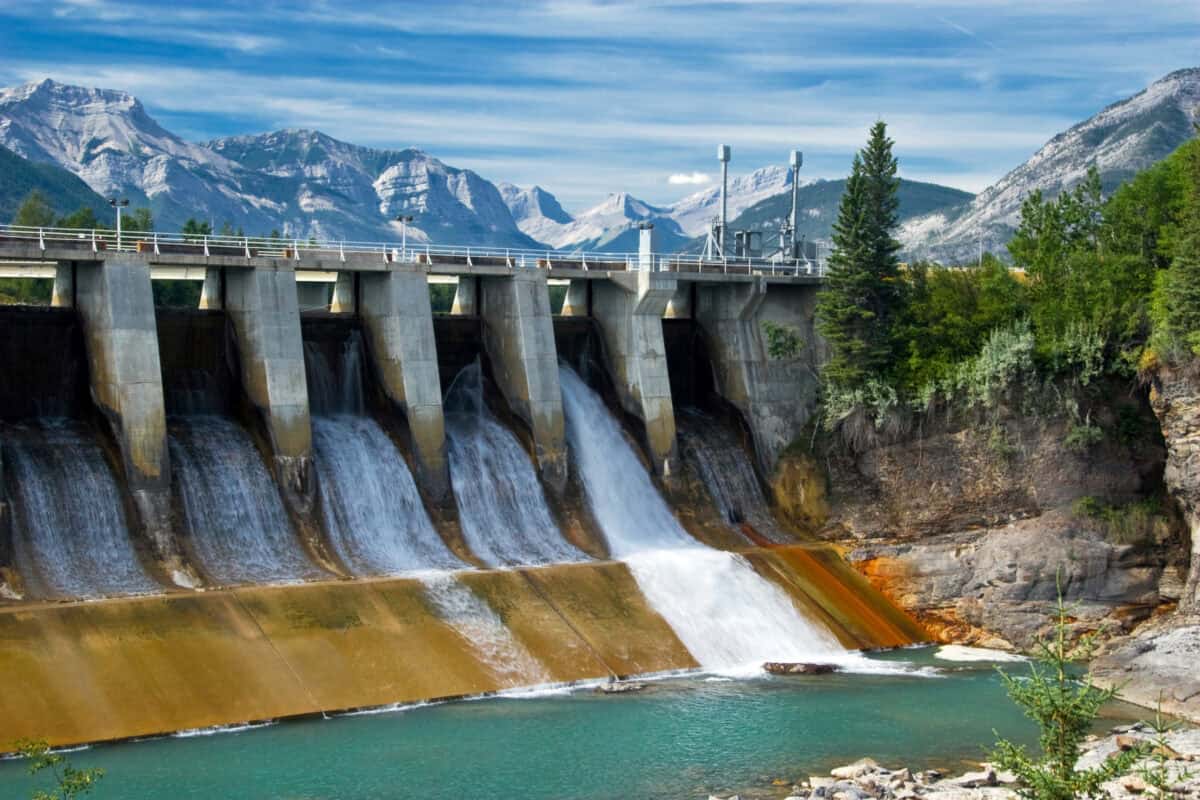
(860,301)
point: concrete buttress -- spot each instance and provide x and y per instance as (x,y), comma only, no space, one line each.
(262,304)
(399,323)
(630,309)
(115,303)
(518,334)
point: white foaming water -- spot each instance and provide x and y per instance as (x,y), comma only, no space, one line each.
(728,616)
(503,511)
(373,511)
(71,537)
(475,620)
(234,514)
(376,521)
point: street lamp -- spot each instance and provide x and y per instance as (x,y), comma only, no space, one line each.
(118,205)
(404,219)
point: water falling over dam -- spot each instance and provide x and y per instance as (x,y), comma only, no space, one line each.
(725,613)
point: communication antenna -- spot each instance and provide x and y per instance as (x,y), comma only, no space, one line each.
(796,163)
(723,157)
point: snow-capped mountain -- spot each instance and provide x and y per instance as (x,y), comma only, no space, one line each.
(301,183)
(332,187)
(612,224)
(1121,140)
(695,212)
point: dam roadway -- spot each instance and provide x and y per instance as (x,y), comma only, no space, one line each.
(75,671)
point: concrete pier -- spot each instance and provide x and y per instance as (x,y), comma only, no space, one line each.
(262,304)
(116,306)
(518,334)
(64,285)
(344,300)
(578,302)
(397,317)
(466,296)
(212,294)
(776,395)
(629,309)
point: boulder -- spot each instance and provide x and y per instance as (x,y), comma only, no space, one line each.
(864,766)
(796,668)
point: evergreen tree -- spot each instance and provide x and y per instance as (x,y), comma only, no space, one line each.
(193,227)
(35,212)
(83,219)
(1182,295)
(859,303)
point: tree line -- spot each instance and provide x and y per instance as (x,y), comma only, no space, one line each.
(1102,287)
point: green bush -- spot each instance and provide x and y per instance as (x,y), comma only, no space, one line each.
(783,341)
(1141,522)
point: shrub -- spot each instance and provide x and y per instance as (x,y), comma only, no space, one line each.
(69,782)
(783,341)
(1064,709)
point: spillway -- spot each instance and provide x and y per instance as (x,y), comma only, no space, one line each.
(504,515)
(712,448)
(71,535)
(233,511)
(724,612)
(375,519)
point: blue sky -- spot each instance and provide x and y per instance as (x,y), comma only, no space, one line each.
(586,97)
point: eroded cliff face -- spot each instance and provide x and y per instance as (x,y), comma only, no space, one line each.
(970,525)
(1175,398)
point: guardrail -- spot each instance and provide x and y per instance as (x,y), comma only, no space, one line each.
(158,243)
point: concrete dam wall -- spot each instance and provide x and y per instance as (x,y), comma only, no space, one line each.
(245,511)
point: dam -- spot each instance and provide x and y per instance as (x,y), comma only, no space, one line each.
(311,493)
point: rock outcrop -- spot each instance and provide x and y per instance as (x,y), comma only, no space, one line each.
(971,526)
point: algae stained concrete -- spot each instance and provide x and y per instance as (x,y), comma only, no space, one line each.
(630,309)
(398,319)
(518,334)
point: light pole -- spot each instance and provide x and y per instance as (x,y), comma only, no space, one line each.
(404,219)
(118,205)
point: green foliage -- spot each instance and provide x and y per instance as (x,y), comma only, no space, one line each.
(1005,362)
(140,220)
(1082,434)
(60,189)
(35,212)
(950,313)
(69,782)
(1156,770)
(195,228)
(82,219)
(860,299)
(177,294)
(863,414)
(441,297)
(1141,522)
(1064,709)
(783,341)
(26,291)
(1177,301)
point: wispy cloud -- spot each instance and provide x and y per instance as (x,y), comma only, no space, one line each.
(689,179)
(586,97)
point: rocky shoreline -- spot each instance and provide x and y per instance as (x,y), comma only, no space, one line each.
(866,780)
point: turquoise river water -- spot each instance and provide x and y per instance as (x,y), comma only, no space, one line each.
(680,738)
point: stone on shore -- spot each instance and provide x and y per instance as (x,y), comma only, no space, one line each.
(790,668)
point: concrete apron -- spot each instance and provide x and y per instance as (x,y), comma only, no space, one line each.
(115,669)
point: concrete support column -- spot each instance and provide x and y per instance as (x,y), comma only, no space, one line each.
(680,305)
(466,300)
(518,334)
(776,395)
(262,304)
(64,285)
(116,306)
(210,295)
(343,294)
(575,304)
(399,323)
(629,309)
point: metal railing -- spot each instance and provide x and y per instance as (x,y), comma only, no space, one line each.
(159,243)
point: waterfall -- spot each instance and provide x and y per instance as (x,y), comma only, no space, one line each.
(725,613)
(377,524)
(724,466)
(372,509)
(504,516)
(233,512)
(71,535)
